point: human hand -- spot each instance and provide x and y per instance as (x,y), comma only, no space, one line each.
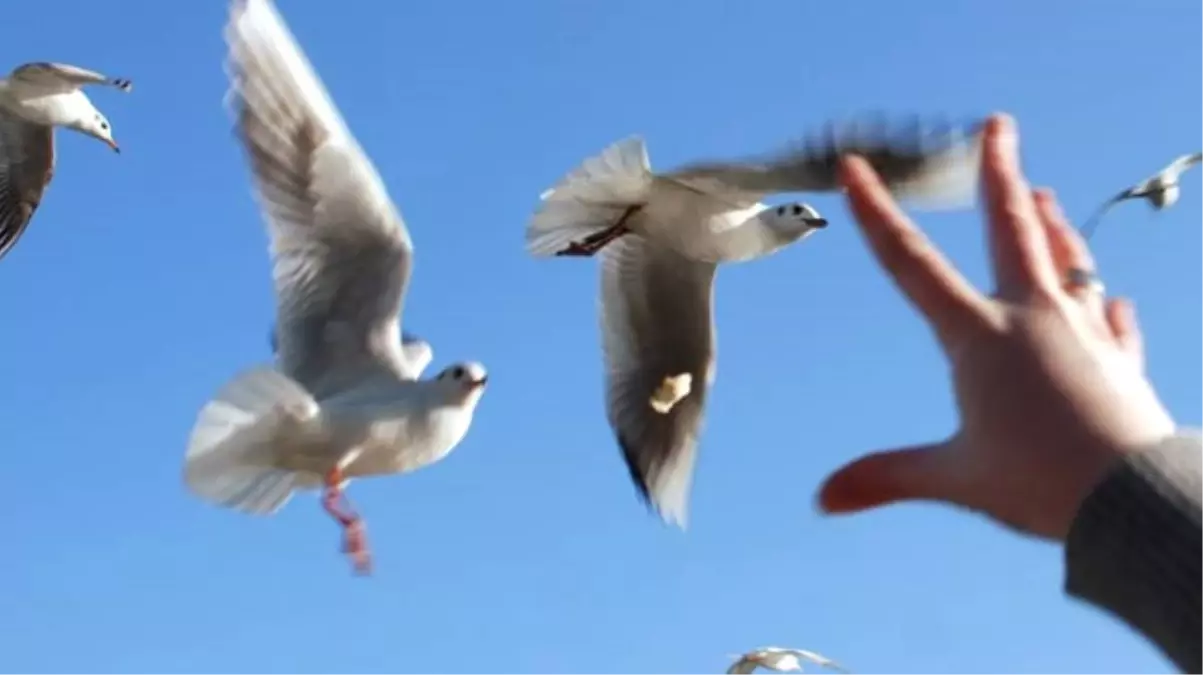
(1049,376)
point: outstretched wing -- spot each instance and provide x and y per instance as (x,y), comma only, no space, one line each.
(341,252)
(26,166)
(933,165)
(1183,163)
(62,76)
(818,659)
(656,323)
(1092,223)
(742,666)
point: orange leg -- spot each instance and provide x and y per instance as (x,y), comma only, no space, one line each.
(354,542)
(595,242)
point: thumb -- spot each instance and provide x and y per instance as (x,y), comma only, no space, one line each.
(916,472)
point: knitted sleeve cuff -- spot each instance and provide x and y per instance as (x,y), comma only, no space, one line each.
(1135,547)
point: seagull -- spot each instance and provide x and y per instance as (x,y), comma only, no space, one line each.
(343,399)
(1161,190)
(661,238)
(779,659)
(34,99)
(710,211)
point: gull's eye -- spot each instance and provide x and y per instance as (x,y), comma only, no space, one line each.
(457,373)
(797,210)
(104,125)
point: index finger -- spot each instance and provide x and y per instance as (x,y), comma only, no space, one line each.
(951,304)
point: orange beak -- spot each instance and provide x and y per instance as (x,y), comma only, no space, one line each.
(113,144)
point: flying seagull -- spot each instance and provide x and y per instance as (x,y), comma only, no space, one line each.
(34,99)
(779,659)
(711,211)
(661,237)
(343,399)
(1160,190)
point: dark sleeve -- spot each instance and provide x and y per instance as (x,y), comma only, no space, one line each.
(1134,547)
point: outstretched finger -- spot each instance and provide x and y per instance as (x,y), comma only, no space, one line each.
(1069,252)
(1018,245)
(951,304)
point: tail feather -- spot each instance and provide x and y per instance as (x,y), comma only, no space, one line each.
(230,455)
(591,197)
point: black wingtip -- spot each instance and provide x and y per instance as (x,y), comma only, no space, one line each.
(630,458)
(898,147)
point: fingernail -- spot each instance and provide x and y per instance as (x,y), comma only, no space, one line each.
(1004,126)
(1002,130)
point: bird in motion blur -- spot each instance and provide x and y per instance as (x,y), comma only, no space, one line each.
(1160,190)
(34,99)
(779,659)
(343,399)
(661,238)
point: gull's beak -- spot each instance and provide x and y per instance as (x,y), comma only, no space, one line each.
(817,222)
(113,144)
(479,383)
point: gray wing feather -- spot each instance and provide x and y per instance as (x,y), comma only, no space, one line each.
(418,353)
(818,659)
(1092,223)
(65,76)
(935,164)
(656,322)
(742,666)
(341,253)
(26,166)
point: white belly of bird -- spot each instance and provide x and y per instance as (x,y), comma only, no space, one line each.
(698,226)
(391,445)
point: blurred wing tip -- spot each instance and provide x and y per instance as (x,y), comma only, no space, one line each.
(670,504)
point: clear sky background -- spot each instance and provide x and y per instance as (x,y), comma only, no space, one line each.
(143,285)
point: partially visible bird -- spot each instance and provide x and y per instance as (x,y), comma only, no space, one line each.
(343,399)
(662,236)
(779,659)
(1161,191)
(34,99)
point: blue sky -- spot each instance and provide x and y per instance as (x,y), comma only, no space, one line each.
(143,284)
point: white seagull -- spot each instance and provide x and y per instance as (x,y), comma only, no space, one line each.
(662,236)
(34,99)
(779,659)
(343,399)
(1161,190)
